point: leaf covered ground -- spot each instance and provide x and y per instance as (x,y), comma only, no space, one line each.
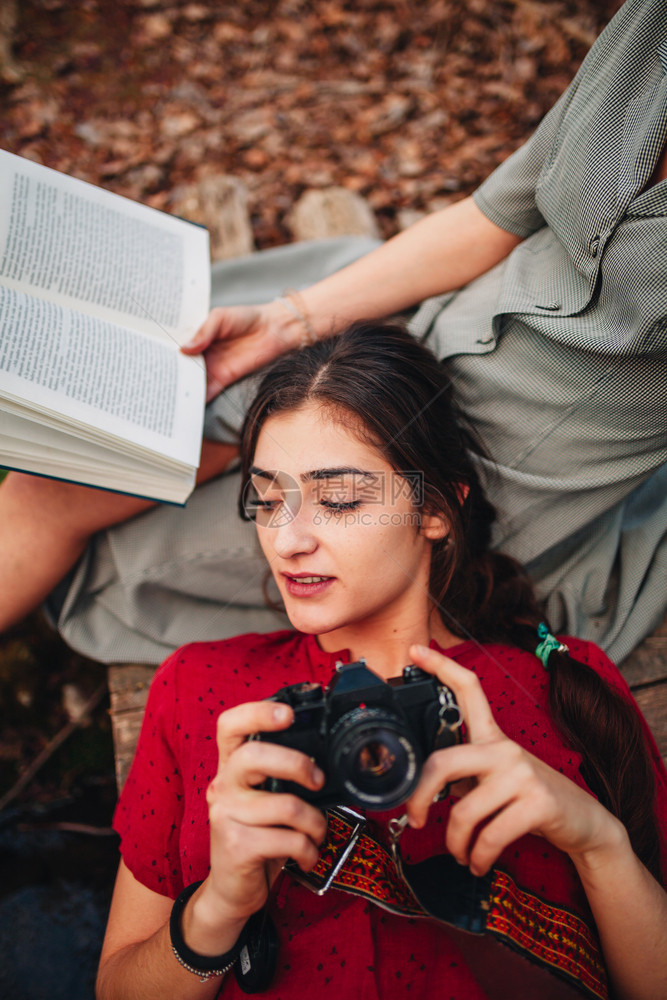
(409,102)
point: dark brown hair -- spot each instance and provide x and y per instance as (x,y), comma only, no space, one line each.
(401,401)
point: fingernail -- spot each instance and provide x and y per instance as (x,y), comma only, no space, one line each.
(420,650)
(318,776)
(281,713)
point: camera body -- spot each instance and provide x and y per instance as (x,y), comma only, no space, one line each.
(370,737)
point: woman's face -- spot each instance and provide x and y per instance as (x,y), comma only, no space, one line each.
(343,537)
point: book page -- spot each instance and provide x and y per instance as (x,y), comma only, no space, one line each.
(78,245)
(72,368)
(31,447)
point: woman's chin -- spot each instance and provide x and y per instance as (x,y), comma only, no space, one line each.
(311,624)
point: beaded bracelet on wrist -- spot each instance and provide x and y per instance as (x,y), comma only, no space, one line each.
(204,966)
(293,302)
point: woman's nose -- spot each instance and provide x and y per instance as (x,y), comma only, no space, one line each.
(295,535)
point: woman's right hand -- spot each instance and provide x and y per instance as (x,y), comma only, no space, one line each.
(238,340)
(254,831)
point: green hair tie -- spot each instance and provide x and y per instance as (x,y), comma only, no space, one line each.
(548,643)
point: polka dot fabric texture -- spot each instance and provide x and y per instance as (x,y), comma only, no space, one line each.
(338,941)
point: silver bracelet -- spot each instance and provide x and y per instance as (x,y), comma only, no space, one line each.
(203,976)
(294,303)
(204,966)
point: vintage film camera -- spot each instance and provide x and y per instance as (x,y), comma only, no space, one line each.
(370,737)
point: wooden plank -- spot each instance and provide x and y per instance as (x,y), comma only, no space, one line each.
(647,664)
(645,670)
(653,703)
(128,691)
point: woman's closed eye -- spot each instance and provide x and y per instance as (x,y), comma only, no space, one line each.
(264,510)
(339,506)
(258,504)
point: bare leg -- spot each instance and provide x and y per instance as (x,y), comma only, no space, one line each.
(45,526)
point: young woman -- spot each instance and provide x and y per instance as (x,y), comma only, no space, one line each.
(376,530)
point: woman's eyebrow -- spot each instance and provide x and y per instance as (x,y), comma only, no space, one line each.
(315,474)
(342,470)
(262,473)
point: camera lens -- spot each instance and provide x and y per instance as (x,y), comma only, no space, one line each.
(373,758)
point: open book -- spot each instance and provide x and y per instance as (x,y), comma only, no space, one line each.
(96,295)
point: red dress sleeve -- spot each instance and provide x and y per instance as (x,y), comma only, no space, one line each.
(149,813)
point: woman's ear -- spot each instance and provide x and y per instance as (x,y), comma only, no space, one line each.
(434,527)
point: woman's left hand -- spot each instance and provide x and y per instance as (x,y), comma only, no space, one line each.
(505,791)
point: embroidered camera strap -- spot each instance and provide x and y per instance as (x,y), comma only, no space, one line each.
(556,938)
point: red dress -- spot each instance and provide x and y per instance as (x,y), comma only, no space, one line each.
(340,941)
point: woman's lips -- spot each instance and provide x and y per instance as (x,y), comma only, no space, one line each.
(306,584)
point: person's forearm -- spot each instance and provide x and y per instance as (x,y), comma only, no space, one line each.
(630,911)
(149,970)
(441,252)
